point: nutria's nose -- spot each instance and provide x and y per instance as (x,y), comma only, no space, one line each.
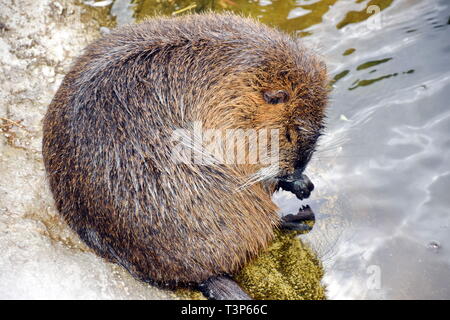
(308,183)
(297,183)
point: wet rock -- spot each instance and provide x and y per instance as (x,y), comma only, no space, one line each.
(41,257)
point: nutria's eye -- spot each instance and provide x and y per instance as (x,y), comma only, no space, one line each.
(276,96)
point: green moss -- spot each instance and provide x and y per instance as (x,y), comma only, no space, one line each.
(99,15)
(359,16)
(274,14)
(349,52)
(288,270)
(367,82)
(339,76)
(189,294)
(370,64)
(148,8)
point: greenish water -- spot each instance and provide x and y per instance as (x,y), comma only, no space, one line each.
(382,172)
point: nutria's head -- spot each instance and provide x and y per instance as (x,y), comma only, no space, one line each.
(292,98)
(285,87)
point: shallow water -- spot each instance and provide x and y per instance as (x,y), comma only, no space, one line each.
(382,172)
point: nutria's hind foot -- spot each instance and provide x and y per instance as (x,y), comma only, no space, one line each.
(298,184)
(297,222)
(222,288)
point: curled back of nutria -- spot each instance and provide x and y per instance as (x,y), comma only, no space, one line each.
(109,142)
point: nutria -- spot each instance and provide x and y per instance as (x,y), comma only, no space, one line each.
(108,140)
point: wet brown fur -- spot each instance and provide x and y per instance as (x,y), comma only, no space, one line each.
(107,141)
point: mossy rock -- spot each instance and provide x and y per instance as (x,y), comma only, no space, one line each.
(288,270)
(187,294)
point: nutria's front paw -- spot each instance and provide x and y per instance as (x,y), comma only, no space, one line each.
(300,185)
(302,221)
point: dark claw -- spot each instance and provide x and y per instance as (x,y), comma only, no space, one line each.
(296,222)
(304,214)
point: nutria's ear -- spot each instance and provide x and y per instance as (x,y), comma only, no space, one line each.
(276,96)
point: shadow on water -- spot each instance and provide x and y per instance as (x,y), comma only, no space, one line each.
(382,171)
